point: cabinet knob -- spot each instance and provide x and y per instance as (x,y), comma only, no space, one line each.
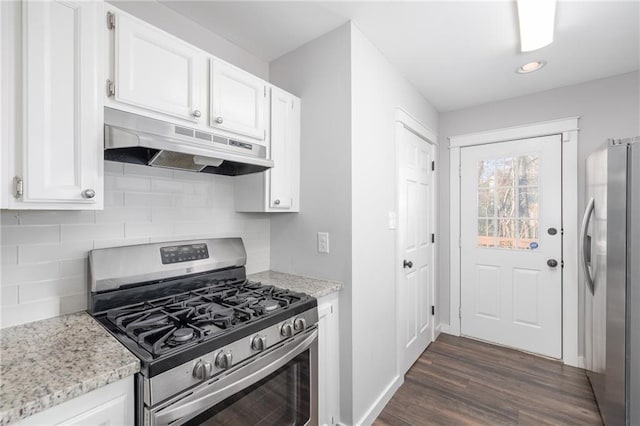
(276,202)
(88,193)
(197,113)
(219,120)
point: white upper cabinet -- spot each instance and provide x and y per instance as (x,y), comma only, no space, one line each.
(157,71)
(238,101)
(277,189)
(55,156)
(285,151)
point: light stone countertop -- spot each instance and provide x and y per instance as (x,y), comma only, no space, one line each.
(47,362)
(311,286)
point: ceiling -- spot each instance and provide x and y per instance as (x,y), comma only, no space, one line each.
(457,54)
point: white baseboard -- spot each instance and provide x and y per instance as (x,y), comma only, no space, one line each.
(446,329)
(376,408)
(579,362)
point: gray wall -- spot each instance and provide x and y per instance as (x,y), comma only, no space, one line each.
(607,108)
(174,23)
(319,73)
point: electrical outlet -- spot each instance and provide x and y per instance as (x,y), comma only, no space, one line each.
(323,242)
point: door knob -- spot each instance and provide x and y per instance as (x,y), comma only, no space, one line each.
(407,264)
(552,231)
(552,263)
(197,114)
(88,193)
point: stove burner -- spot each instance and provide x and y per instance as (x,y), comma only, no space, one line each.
(183,334)
(269,305)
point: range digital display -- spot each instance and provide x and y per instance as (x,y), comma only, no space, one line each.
(185,253)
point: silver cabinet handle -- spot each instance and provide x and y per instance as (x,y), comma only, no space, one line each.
(276,202)
(584,245)
(88,193)
(219,120)
(197,113)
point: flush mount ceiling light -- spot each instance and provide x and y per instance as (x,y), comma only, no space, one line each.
(530,67)
(536,19)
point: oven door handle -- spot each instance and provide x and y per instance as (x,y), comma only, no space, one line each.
(233,382)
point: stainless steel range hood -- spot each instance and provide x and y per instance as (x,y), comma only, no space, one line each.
(133,138)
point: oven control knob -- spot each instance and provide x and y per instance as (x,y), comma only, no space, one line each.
(286,330)
(299,324)
(202,370)
(259,343)
(224,360)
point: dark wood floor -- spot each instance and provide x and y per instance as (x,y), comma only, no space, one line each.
(459,381)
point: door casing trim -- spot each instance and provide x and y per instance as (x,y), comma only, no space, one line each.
(568,128)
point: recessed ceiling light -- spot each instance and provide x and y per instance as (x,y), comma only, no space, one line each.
(531,67)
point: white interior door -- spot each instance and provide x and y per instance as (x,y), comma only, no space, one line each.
(511,244)
(415,262)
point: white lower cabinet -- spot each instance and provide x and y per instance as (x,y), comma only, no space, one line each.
(53,119)
(111,405)
(328,360)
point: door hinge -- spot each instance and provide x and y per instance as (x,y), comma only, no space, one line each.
(433,310)
(265,134)
(111,88)
(433,165)
(433,238)
(562,263)
(460,170)
(111,20)
(19,187)
(265,91)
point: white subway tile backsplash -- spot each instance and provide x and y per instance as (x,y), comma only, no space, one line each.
(143,199)
(48,252)
(8,295)
(99,244)
(102,231)
(113,168)
(44,253)
(9,255)
(155,172)
(15,274)
(74,267)
(39,217)
(37,234)
(123,215)
(30,292)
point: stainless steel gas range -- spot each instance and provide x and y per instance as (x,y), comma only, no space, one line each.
(214,348)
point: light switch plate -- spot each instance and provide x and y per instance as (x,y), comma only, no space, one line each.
(323,242)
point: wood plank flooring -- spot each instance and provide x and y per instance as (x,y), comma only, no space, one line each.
(459,381)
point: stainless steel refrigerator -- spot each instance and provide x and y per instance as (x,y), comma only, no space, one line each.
(610,257)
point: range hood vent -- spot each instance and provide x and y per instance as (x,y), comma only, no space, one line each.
(133,138)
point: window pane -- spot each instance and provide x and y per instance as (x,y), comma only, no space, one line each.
(528,170)
(486,203)
(486,233)
(528,202)
(528,234)
(485,173)
(504,173)
(505,203)
(506,233)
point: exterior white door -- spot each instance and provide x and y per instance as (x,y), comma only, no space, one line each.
(238,101)
(157,71)
(511,244)
(415,246)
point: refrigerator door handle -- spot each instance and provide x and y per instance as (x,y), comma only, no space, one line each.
(585,245)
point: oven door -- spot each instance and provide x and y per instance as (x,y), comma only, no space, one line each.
(278,387)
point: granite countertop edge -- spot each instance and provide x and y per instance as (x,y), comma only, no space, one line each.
(17,403)
(312,286)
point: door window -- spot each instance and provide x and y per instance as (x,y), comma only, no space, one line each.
(508,202)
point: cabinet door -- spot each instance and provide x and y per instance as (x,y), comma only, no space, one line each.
(237,101)
(328,360)
(157,71)
(60,157)
(285,151)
